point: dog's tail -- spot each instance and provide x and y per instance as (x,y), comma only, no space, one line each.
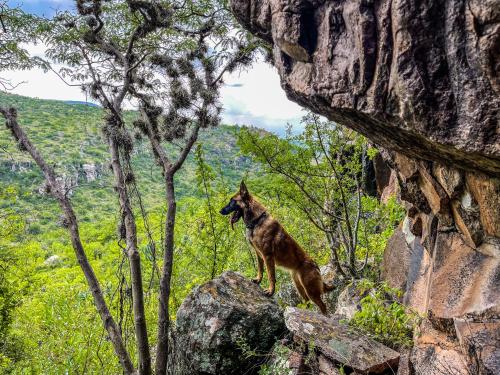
(327,288)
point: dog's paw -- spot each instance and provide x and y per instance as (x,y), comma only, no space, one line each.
(256,281)
(269,292)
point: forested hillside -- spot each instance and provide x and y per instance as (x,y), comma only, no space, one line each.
(70,137)
(54,324)
(50,323)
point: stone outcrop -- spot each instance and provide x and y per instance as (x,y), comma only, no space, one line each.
(447,254)
(221,319)
(91,171)
(349,301)
(396,260)
(53,261)
(448,263)
(336,344)
(74,175)
(420,79)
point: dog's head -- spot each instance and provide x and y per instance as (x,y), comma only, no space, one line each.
(237,204)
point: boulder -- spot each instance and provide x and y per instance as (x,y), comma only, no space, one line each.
(284,360)
(435,353)
(222,319)
(91,171)
(464,281)
(466,216)
(53,261)
(391,190)
(383,173)
(436,196)
(451,179)
(338,343)
(396,260)
(404,367)
(480,340)
(486,192)
(412,90)
(418,275)
(327,366)
(287,295)
(349,301)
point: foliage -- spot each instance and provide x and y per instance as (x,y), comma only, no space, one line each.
(322,172)
(157,54)
(53,323)
(12,279)
(54,319)
(69,137)
(278,362)
(17,28)
(383,317)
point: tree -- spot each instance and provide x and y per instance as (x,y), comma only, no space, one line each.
(170,57)
(16,28)
(321,172)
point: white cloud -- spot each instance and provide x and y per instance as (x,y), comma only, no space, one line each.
(260,93)
(38,84)
(255,97)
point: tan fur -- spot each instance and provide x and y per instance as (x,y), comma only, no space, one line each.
(275,247)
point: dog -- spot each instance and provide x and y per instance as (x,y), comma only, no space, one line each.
(274,246)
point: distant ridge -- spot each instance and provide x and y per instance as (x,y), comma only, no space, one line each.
(73,102)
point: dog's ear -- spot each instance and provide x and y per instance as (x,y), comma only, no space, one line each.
(245,195)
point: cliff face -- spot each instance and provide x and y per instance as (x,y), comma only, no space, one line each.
(417,77)
(420,79)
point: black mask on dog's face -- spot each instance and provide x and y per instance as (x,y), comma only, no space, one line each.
(232,206)
(237,203)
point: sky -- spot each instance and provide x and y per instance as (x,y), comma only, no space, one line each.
(251,97)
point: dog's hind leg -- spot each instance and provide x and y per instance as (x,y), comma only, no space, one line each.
(313,284)
(298,286)
(316,298)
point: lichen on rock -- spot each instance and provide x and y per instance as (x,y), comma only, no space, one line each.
(222,319)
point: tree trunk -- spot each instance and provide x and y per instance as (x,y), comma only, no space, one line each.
(134,261)
(72,225)
(168,259)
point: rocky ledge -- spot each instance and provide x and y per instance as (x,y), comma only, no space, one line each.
(420,78)
(338,345)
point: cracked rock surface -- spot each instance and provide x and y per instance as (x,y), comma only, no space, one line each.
(421,78)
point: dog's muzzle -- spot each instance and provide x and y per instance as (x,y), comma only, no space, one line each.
(232,207)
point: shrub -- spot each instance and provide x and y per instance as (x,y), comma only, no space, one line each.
(383,318)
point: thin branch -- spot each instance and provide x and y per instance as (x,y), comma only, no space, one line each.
(337,178)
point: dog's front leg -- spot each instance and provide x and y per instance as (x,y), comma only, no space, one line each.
(271,274)
(260,268)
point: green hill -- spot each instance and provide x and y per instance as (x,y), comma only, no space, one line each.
(69,136)
(41,284)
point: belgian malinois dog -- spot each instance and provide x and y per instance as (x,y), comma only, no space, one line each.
(274,246)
